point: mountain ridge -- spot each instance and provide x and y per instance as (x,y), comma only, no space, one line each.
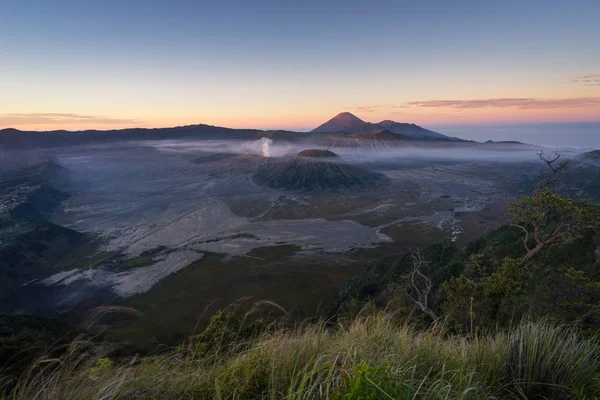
(11,138)
(346,122)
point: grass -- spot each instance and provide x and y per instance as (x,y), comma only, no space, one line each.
(373,357)
(414,233)
(140,261)
(299,285)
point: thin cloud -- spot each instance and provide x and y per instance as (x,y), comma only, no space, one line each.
(520,103)
(435,114)
(367,109)
(61,118)
(589,80)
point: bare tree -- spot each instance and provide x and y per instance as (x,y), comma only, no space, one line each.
(546,216)
(555,168)
(417,286)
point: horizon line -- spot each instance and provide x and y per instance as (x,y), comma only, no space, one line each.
(506,124)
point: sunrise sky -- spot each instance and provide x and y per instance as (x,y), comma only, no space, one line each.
(293,65)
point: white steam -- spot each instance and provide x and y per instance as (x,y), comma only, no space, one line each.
(266,146)
(418,151)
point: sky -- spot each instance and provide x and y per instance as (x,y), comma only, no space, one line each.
(479,68)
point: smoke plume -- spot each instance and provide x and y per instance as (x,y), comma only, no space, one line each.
(266,146)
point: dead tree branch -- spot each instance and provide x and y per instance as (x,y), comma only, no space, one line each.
(417,286)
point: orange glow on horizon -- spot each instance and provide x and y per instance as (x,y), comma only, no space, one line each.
(427,113)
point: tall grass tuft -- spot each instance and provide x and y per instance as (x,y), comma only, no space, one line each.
(548,361)
(373,357)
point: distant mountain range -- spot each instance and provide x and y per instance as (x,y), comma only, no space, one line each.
(17,139)
(345,124)
(349,123)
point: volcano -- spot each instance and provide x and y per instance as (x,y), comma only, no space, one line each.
(306,174)
(349,123)
(346,123)
(317,153)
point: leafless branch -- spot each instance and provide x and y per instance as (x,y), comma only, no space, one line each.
(417,285)
(525,237)
(549,180)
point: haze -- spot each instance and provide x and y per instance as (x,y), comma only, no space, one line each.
(461,69)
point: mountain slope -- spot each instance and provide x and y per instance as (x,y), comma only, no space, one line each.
(410,130)
(382,135)
(346,123)
(349,123)
(31,246)
(305,174)
(592,155)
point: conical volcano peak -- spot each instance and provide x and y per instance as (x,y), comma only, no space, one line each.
(349,123)
(346,116)
(345,123)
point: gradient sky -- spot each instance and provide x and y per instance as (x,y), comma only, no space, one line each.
(278,64)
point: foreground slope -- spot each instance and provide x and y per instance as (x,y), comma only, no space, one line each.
(371,358)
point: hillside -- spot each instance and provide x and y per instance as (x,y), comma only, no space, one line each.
(592,155)
(308,175)
(30,246)
(410,130)
(559,283)
(43,172)
(381,135)
(440,322)
(495,341)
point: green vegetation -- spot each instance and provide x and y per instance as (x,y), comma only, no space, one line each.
(24,339)
(504,327)
(136,262)
(92,260)
(30,246)
(274,252)
(300,285)
(511,315)
(36,249)
(414,232)
(372,357)
(543,265)
(488,284)
(546,216)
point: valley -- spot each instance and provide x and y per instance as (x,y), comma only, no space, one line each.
(195,225)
